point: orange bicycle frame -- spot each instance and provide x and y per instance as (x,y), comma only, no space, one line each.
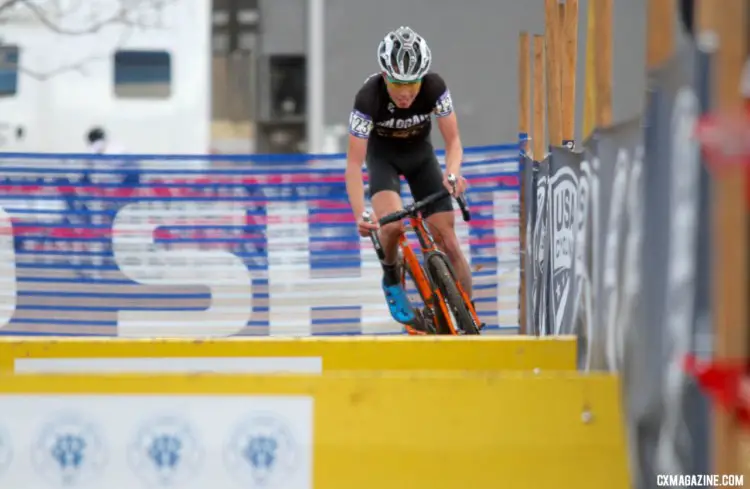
(432,297)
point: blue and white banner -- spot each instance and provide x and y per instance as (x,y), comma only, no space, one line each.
(254,245)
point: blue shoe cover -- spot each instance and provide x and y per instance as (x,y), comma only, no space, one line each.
(398,303)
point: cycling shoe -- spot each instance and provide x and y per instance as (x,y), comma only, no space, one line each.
(398,303)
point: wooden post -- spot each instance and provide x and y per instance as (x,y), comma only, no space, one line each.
(554,93)
(603,61)
(569,63)
(524,108)
(524,84)
(538,136)
(589,99)
(660,32)
(705,16)
(729,25)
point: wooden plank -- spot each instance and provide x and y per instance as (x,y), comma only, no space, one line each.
(554,92)
(603,61)
(524,84)
(660,32)
(569,63)
(524,114)
(539,137)
(729,26)
(589,100)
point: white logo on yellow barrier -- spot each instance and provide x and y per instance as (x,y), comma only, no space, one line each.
(262,452)
(156,441)
(69,451)
(165,452)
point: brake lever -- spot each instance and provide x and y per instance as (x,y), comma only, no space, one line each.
(452,180)
(461,199)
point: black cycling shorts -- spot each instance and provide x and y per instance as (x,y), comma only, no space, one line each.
(417,163)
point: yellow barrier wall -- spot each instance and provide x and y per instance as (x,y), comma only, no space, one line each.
(295,355)
(413,430)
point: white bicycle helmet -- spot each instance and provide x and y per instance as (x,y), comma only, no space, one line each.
(404,56)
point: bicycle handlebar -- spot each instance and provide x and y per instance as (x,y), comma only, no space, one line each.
(412,209)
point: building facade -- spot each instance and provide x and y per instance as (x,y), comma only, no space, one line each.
(144,76)
(230,75)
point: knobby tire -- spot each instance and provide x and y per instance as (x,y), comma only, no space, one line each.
(444,280)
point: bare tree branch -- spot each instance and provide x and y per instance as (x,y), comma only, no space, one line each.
(8,4)
(122,16)
(126,14)
(78,66)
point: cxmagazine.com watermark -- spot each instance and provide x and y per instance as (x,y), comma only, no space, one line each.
(701,480)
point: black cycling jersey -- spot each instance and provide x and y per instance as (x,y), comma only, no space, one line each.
(399,138)
(376,117)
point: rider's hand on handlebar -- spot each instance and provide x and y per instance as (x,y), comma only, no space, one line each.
(460,185)
(365,227)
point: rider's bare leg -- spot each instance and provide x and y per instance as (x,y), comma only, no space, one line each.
(442,226)
(384,203)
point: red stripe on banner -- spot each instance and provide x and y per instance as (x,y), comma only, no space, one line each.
(173,189)
(343,217)
(95,233)
(164,234)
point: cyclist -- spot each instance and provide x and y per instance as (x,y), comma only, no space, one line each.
(389,129)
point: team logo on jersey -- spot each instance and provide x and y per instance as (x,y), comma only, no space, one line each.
(391,107)
(394,123)
(408,127)
(564,189)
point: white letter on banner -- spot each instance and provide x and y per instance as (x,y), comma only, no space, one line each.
(611,272)
(224,273)
(505,204)
(590,281)
(8,287)
(680,298)
(293,292)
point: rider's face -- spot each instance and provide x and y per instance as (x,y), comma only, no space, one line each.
(402,94)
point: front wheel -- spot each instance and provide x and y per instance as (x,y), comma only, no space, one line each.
(441,274)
